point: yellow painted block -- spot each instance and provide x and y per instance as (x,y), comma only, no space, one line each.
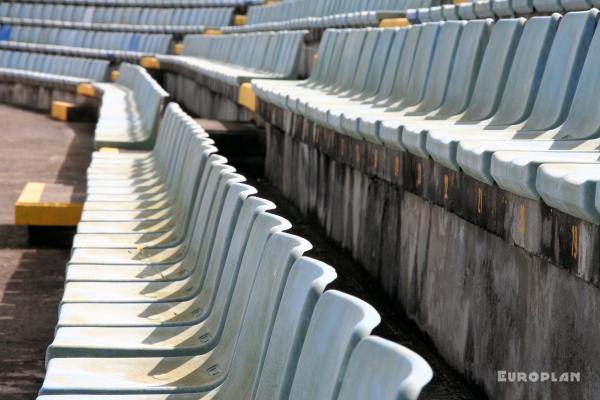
(32,193)
(213,32)
(60,110)
(30,210)
(86,89)
(394,23)
(108,150)
(150,63)
(178,48)
(114,75)
(247,97)
(459,1)
(239,20)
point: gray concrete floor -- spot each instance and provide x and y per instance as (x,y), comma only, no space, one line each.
(33,147)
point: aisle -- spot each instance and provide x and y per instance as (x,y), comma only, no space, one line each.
(32,147)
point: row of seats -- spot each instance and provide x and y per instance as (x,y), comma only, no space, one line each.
(305,14)
(212,17)
(183,284)
(92,26)
(130,110)
(494,100)
(237,58)
(149,3)
(495,9)
(56,71)
(98,40)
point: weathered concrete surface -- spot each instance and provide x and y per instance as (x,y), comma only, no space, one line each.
(32,147)
(205,98)
(39,98)
(498,282)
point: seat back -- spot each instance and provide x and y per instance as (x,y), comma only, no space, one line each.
(465,69)
(338,323)
(526,71)
(306,282)
(563,69)
(381,369)
(495,67)
(443,59)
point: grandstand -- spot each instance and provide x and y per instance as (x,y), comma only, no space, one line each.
(299,199)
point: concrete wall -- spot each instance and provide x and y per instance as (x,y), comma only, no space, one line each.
(497,281)
(205,99)
(38,98)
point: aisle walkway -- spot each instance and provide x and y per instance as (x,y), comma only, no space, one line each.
(32,147)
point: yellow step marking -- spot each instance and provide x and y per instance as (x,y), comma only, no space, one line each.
(247,97)
(394,23)
(150,63)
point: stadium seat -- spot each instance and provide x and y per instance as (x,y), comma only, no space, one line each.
(252,323)
(548,110)
(118,15)
(394,372)
(316,14)
(238,58)
(572,187)
(153,3)
(49,70)
(470,97)
(100,41)
(130,110)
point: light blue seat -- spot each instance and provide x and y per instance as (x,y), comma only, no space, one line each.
(410,80)
(243,331)
(452,82)
(340,321)
(363,93)
(574,141)
(485,9)
(516,171)
(466,11)
(50,70)
(474,87)
(525,116)
(94,41)
(395,372)
(212,246)
(522,7)
(571,188)
(130,110)
(554,98)
(436,14)
(450,12)
(237,58)
(577,5)
(276,91)
(503,8)
(198,328)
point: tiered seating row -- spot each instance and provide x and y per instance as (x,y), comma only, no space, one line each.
(465,93)
(130,110)
(184,284)
(496,9)
(114,18)
(47,70)
(97,40)
(319,14)
(237,58)
(149,3)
